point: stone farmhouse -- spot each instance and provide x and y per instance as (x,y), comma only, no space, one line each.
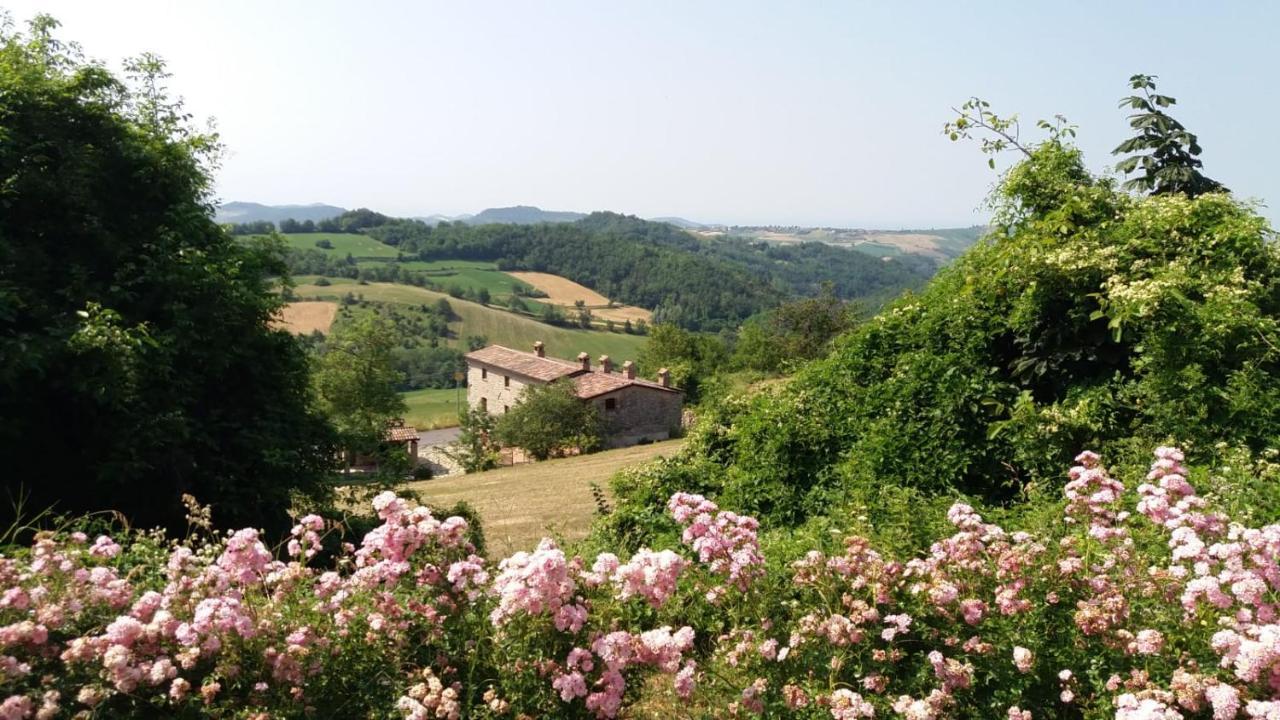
(634,410)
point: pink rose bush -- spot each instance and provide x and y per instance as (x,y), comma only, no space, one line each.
(1134,603)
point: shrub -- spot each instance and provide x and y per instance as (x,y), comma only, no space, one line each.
(1126,602)
(1086,318)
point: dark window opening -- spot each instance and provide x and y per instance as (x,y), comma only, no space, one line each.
(611,404)
(484,404)
(484,374)
(506,381)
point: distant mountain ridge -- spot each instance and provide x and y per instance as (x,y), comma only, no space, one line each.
(938,244)
(242,212)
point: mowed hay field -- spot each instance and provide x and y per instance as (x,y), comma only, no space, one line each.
(565,293)
(520,505)
(306,317)
(497,326)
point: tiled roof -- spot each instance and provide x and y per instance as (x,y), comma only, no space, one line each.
(527,364)
(589,385)
(402,434)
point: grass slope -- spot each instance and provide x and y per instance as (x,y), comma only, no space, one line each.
(465,274)
(431,408)
(360,246)
(498,326)
(519,505)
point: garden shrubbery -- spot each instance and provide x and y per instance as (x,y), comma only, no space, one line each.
(1146,601)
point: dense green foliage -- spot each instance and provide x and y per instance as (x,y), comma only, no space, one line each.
(548,420)
(356,379)
(136,362)
(1087,318)
(692,282)
(793,333)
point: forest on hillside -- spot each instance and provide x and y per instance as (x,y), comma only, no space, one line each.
(698,283)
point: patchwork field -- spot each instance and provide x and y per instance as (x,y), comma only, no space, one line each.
(519,505)
(303,318)
(498,326)
(433,408)
(566,293)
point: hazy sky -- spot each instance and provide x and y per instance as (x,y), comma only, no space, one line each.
(750,113)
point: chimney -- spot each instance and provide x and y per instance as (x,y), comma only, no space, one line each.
(629,369)
(664,377)
(585,359)
(539,350)
(606,365)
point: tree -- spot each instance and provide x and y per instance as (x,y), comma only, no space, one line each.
(483,297)
(548,420)
(692,358)
(137,360)
(793,333)
(1171,163)
(476,449)
(356,381)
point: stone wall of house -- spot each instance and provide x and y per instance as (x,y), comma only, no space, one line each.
(638,414)
(498,389)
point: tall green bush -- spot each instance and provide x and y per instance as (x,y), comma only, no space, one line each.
(1088,317)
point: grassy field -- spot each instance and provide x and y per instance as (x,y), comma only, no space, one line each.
(520,505)
(360,246)
(465,274)
(430,409)
(498,326)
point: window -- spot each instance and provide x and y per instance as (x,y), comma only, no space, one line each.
(611,403)
(506,381)
(484,404)
(506,409)
(484,374)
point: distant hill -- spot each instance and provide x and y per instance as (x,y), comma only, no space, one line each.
(938,244)
(243,212)
(438,218)
(679,222)
(522,215)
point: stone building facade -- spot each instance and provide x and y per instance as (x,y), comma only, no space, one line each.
(634,410)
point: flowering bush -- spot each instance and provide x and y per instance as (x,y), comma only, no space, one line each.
(1139,603)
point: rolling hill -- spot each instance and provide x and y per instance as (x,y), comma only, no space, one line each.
(497,326)
(243,212)
(522,215)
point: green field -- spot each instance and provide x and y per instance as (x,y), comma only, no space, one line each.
(359,246)
(498,326)
(431,408)
(465,274)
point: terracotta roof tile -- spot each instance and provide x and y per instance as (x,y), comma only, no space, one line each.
(589,385)
(402,434)
(527,364)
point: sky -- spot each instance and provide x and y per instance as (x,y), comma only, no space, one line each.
(785,113)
